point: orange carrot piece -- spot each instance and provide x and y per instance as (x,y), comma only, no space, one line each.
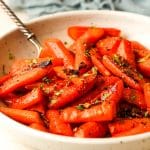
(146,88)
(126,52)
(56,49)
(38,126)
(39,107)
(57,125)
(144,66)
(59,70)
(73,91)
(111,66)
(24,116)
(100,112)
(91,36)
(96,60)
(134,97)
(122,125)
(139,50)
(90,130)
(32,98)
(76,31)
(108,45)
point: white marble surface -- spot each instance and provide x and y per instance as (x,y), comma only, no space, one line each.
(7,142)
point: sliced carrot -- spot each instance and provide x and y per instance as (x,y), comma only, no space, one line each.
(76,31)
(57,125)
(112,31)
(38,126)
(24,116)
(144,66)
(73,91)
(139,50)
(111,66)
(134,97)
(100,112)
(108,45)
(36,72)
(123,125)
(96,60)
(90,130)
(59,70)
(146,88)
(91,36)
(39,107)
(126,52)
(24,65)
(32,98)
(57,49)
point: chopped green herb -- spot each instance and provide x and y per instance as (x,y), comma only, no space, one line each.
(97,102)
(94,70)
(87,105)
(105,96)
(53,101)
(146,114)
(58,93)
(46,90)
(46,80)
(133,97)
(86,52)
(143,59)
(10,55)
(80,107)
(41,86)
(116,59)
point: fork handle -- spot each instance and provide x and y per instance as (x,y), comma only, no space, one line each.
(16,20)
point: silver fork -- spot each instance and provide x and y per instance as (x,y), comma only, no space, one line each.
(21,26)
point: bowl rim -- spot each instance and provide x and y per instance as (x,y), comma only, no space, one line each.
(53,137)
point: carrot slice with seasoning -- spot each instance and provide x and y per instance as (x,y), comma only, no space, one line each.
(32,98)
(24,116)
(57,125)
(90,130)
(111,66)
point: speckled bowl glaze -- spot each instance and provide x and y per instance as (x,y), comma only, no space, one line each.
(135,27)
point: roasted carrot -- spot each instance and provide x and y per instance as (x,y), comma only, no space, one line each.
(144,65)
(32,98)
(146,88)
(57,125)
(56,49)
(38,126)
(134,97)
(126,52)
(36,72)
(24,116)
(108,45)
(96,60)
(76,31)
(81,46)
(139,50)
(123,125)
(99,113)
(90,130)
(39,107)
(60,72)
(73,91)
(129,76)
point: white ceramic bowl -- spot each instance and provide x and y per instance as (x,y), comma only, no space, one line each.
(134,27)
